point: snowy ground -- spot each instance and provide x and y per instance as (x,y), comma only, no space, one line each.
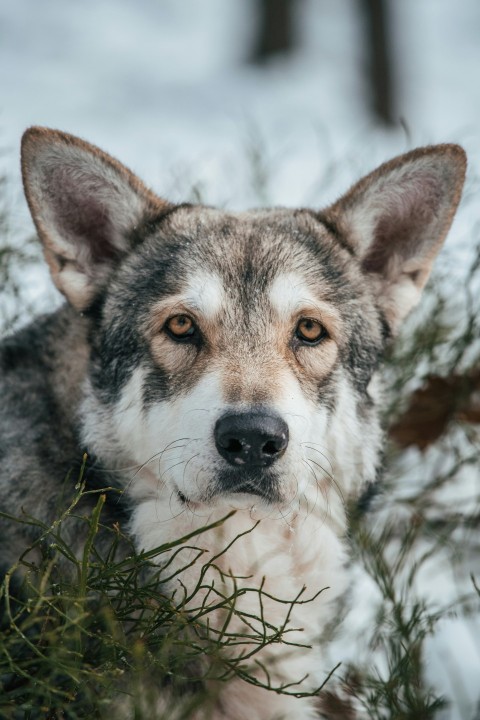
(163,85)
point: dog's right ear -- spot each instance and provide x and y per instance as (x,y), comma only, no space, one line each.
(85,206)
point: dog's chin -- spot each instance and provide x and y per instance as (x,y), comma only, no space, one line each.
(257,491)
(251,502)
(256,504)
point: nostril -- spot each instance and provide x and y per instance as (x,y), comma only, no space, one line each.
(232,445)
(271,447)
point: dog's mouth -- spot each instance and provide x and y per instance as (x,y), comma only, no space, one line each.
(259,482)
(243,488)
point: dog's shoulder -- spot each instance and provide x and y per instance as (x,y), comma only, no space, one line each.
(37,426)
(34,362)
(42,373)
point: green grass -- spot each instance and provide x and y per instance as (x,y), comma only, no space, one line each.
(100,625)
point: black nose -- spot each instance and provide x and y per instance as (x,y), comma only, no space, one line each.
(251,439)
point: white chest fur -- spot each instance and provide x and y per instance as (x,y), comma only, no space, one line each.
(265,564)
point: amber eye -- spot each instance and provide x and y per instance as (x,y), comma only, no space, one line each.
(310,332)
(180,327)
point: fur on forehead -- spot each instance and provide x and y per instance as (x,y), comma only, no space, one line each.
(206,258)
(253,246)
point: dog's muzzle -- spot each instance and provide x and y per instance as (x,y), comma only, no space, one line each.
(252,439)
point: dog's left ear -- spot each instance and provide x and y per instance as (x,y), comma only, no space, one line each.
(396,219)
(85,206)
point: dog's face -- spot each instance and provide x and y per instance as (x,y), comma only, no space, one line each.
(234,355)
(247,336)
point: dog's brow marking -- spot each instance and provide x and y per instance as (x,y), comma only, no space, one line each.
(288,292)
(206,293)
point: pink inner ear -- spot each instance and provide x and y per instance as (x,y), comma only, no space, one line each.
(404,223)
(80,214)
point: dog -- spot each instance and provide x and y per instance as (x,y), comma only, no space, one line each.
(214,361)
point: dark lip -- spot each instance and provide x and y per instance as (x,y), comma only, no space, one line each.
(182,498)
(257,483)
(221,492)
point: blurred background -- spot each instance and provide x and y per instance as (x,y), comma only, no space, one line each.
(182,88)
(247,102)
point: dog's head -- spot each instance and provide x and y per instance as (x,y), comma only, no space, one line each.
(234,355)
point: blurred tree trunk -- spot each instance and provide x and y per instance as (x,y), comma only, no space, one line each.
(380,63)
(275,34)
(275,29)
